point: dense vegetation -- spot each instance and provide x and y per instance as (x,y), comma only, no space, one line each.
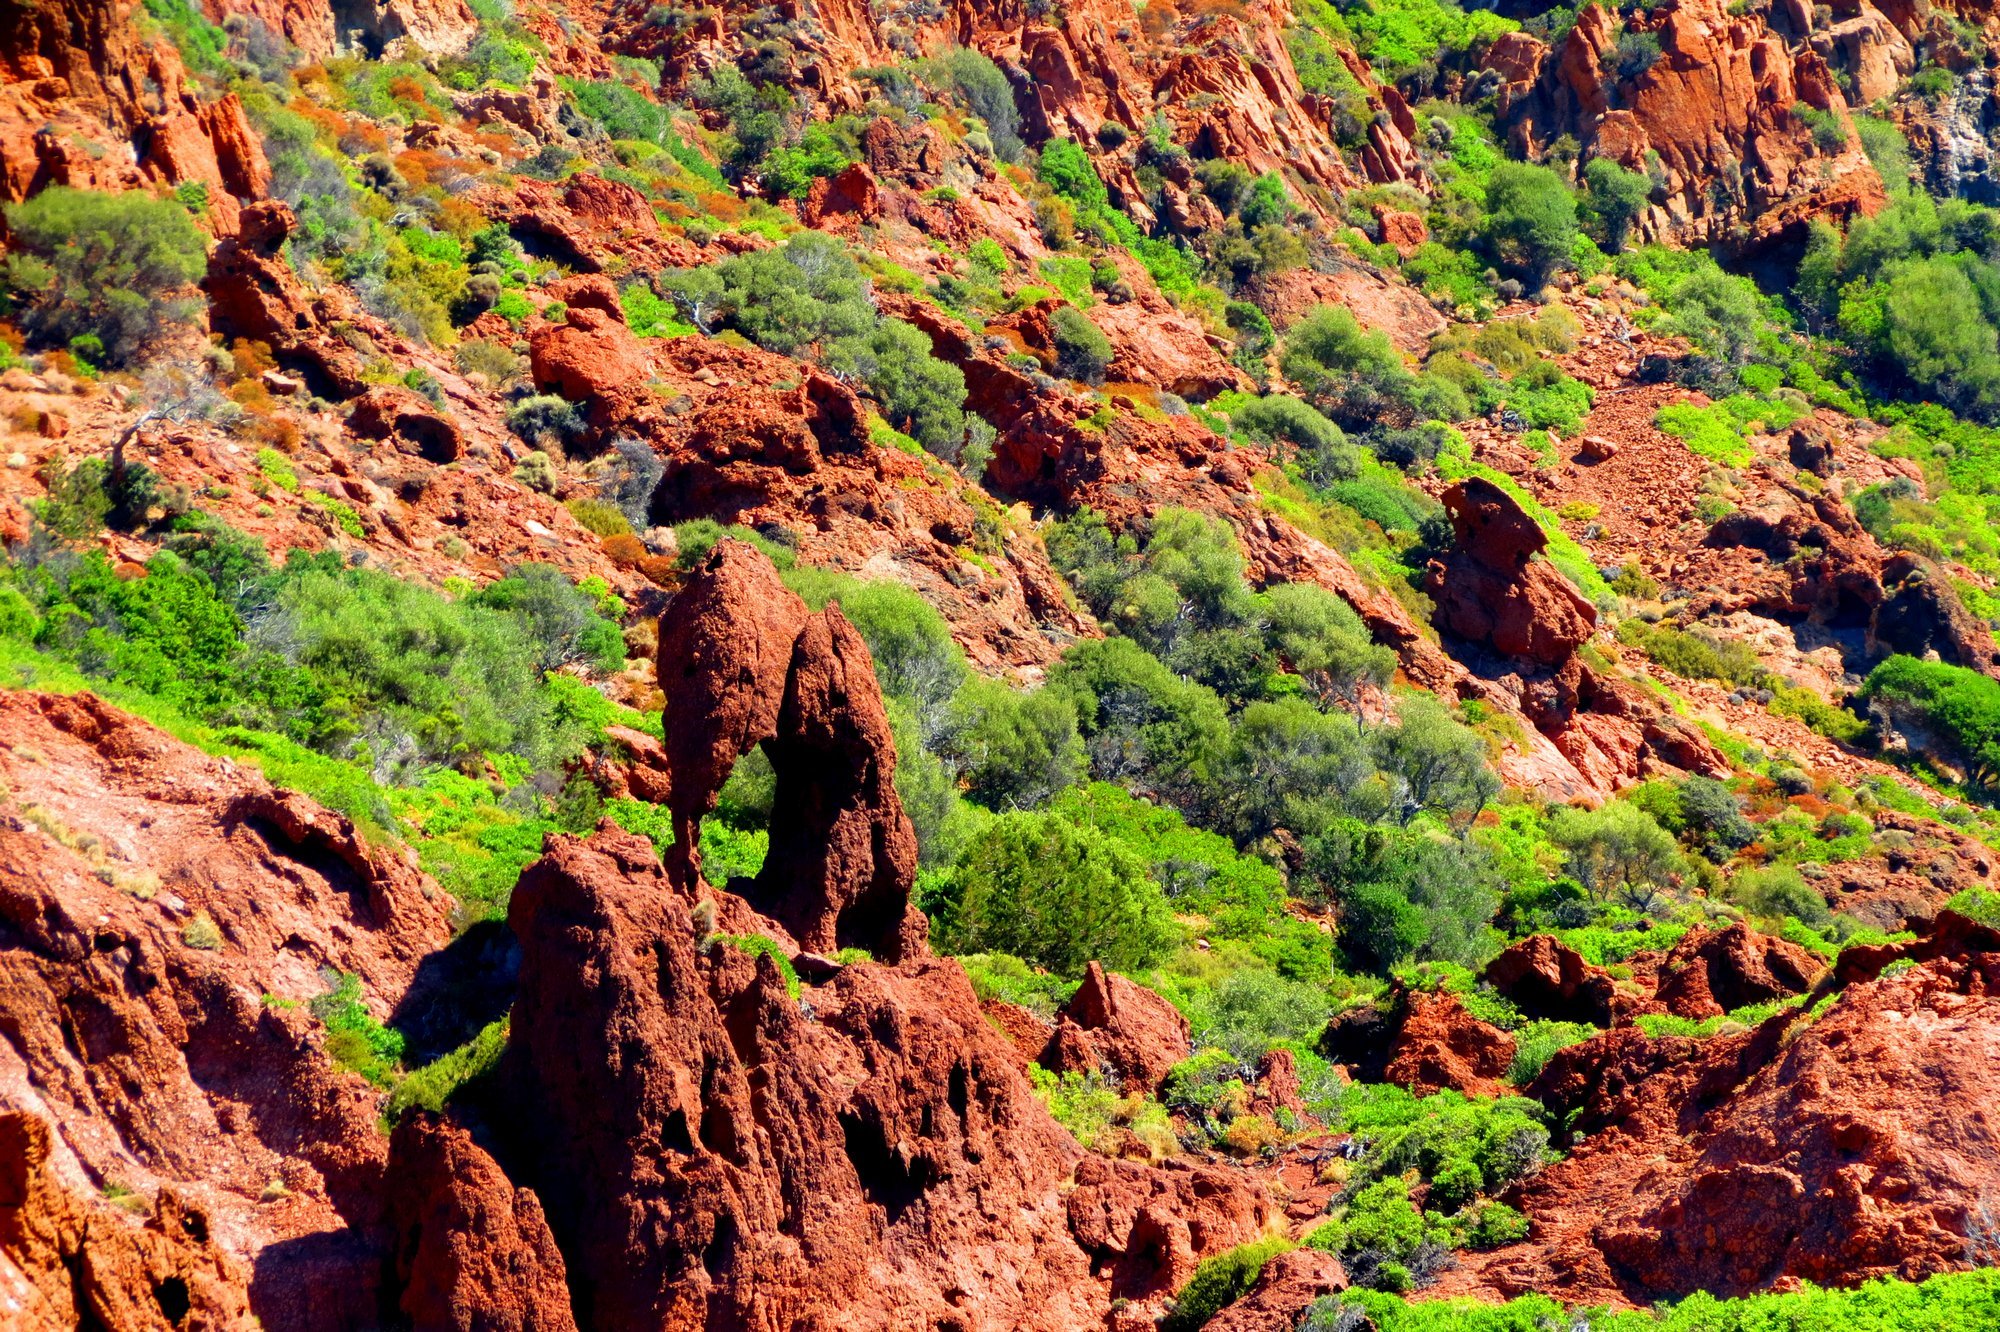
(1229,796)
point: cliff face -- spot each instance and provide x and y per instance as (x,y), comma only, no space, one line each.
(86,99)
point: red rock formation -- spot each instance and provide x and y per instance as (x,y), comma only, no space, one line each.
(591,353)
(253,293)
(842,201)
(1801,554)
(1712,972)
(1422,1042)
(473,1253)
(86,101)
(1115,1026)
(1740,166)
(711,1150)
(1829,1149)
(1546,978)
(842,853)
(71,1260)
(1491,589)
(153,895)
(1440,1045)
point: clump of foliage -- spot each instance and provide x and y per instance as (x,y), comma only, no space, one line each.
(808,297)
(103,267)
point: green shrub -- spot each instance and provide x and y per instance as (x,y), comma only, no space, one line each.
(1219,1281)
(355,1039)
(1617,847)
(103,266)
(1531,220)
(1980,904)
(1948,1303)
(1007,979)
(1082,350)
(1057,894)
(987,92)
(1535,1043)
(1959,707)
(1405,895)
(433,1086)
(758,945)
(1617,196)
(1708,433)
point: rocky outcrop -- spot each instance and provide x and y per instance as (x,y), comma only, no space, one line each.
(711,1150)
(69,1260)
(802,685)
(1546,978)
(1422,1042)
(164,921)
(473,1253)
(1712,972)
(1801,555)
(591,353)
(1824,1149)
(88,100)
(1491,589)
(254,294)
(1717,110)
(1112,1025)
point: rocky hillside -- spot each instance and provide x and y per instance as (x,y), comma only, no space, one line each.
(1259,665)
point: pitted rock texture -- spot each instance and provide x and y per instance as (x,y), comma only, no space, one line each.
(1712,972)
(842,854)
(1827,1149)
(1491,589)
(1546,978)
(713,1152)
(154,896)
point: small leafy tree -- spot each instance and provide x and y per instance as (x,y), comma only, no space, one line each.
(1433,762)
(1617,196)
(1058,894)
(103,266)
(1616,848)
(1531,219)
(986,90)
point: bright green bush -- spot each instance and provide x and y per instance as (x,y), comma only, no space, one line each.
(1058,894)
(1219,1281)
(1082,351)
(355,1039)
(1960,708)
(1953,1302)
(433,1086)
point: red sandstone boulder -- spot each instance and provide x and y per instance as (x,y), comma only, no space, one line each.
(849,198)
(1441,1045)
(1546,978)
(1712,972)
(1116,1026)
(1422,1042)
(1491,589)
(587,355)
(1405,231)
(392,412)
